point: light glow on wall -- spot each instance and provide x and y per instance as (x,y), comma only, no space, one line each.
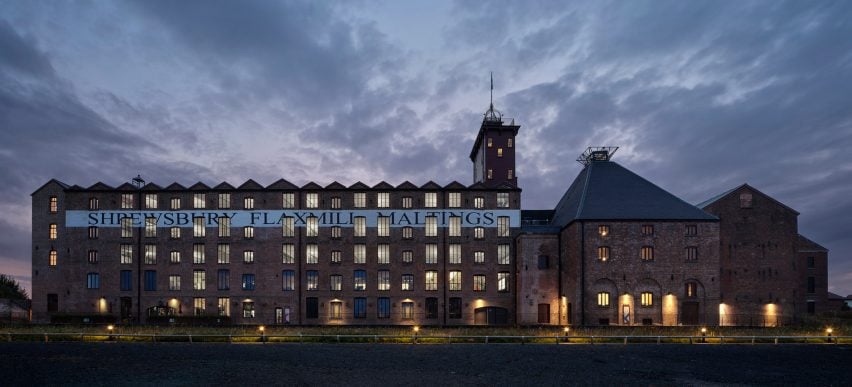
(725,312)
(669,310)
(102,305)
(770,315)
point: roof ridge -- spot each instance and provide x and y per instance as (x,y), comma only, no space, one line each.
(665,191)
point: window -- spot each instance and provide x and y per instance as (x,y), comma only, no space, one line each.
(312,281)
(490,174)
(336,256)
(502,200)
(691,290)
(648,230)
(335,203)
(174,282)
(335,232)
(248,232)
(92,256)
(93,204)
(503,281)
(54,205)
(126,254)
(383,226)
(691,230)
(199,280)
(503,257)
(430,282)
(360,307)
(479,283)
(383,200)
(248,281)
(499,152)
(431,308)
(509,174)
(407,256)
(383,307)
(454,310)
(431,253)
(312,226)
(335,310)
(478,257)
(430,200)
(360,226)
(126,228)
(248,309)
(455,226)
(51,258)
(406,202)
(335,282)
(150,227)
(288,253)
(647,253)
(174,204)
(691,253)
(288,226)
(455,200)
(407,310)
(746,200)
(509,143)
(223,253)
(288,200)
(224,306)
(174,256)
(248,203)
(603,230)
(126,280)
(198,229)
(490,142)
(248,256)
(647,299)
(811,263)
(126,201)
(454,280)
(811,285)
(53,232)
(150,280)
(360,280)
(603,299)
(543,262)
(431,226)
(407,282)
(174,232)
(312,200)
(384,280)
(479,233)
(455,254)
(311,253)
(479,202)
(224,200)
(359,200)
(288,280)
(198,253)
(603,253)
(93,232)
(150,254)
(224,227)
(199,201)
(198,306)
(407,232)
(359,253)
(502,226)
(151,201)
(93,281)
(223,279)
(383,254)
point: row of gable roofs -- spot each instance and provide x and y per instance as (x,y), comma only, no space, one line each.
(281,184)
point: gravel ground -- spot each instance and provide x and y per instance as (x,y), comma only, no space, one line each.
(396,364)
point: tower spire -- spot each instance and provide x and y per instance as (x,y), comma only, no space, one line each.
(491,114)
(492,91)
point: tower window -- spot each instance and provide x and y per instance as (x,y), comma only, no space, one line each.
(490,174)
(54,205)
(509,174)
(490,142)
(499,152)
(509,143)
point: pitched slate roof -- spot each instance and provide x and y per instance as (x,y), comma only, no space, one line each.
(224,185)
(406,185)
(455,185)
(282,184)
(382,185)
(604,190)
(250,184)
(335,185)
(806,244)
(175,187)
(718,197)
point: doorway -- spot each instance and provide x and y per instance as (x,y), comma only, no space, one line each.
(689,313)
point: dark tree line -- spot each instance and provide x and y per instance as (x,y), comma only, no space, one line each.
(9,288)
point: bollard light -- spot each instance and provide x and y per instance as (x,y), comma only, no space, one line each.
(703,334)
(261,328)
(110,328)
(416,329)
(566,330)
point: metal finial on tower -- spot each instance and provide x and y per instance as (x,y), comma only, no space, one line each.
(491,114)
(138,181)
(492,91)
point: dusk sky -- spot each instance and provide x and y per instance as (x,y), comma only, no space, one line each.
(700,96)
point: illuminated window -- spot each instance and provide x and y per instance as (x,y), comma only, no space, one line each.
(490,142)
(335,203)
(359,253)
(647,253)
(127,227)
(312,226)
(503,256)
(288,200)
(126,201)
(455,254)
(311,253)
(198,253)
(455,200)
(503,281)
(248,309)
(499,152)
(479,202)
(248,203)
(174,204)
(224,306)
(249,284)
(336,256)
(383,307)
(248,256)
(503,226)
(407,256)
(509,143)
(431,227)
(384,280)
(288,226)
(478,257)
(198,306)
(490,174)
(407,232)
(360,226)
(383,200)
(647,299)
(151,201)
(603,230)
(746,200)
(126,254)
(360,307)
(150,254)
(406,202)
(431,253)
(150,280)
(199,201)
(647,230)
(603,253)
(224,200)
(93,281)
(288,254)
(288,280)
(383,254)
(360,280)
(479,283)
(248,232)
(93,232)
(454,280)
(335,311)
(336,232)
(407,282)
(691,289)
(335,282)
(455,226)
(174,232)
(93,204)
(383,226)
(52,258)
(174,256)
(407,310)
(53,231)
(92,257)
(224,227)
(174,282)
(54,205)
(359,200)
(479,233)
(431,280)
(509,174)
(199,280)
(312,200)
(430,200)
(198,229)
(223,279)
(502,200)
(603,299)
(691,253)
(150,227)
(454,309)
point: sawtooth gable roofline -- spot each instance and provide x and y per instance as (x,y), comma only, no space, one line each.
(49,182)
(727,193)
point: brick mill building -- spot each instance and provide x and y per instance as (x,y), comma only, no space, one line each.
(616,250)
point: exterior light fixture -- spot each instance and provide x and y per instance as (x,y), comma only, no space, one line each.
(566,329)
(828,332)
(110,328)
(261,328)
(416,329)
(703,334)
